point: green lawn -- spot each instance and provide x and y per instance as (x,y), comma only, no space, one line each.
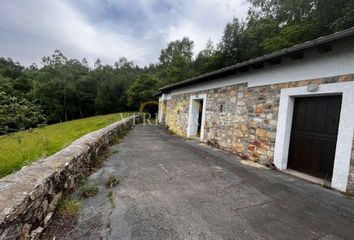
(24,147)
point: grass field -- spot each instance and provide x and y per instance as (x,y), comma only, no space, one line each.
(22,148)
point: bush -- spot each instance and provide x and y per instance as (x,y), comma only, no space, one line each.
(18,114)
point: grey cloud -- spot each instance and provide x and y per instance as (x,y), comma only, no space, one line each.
(110,29)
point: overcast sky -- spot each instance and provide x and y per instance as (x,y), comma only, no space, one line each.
(109,29)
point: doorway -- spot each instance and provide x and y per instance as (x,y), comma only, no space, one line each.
(200,116)
(196,117)
(313,136)
(343,151)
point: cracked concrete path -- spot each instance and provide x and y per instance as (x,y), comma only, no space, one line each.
(172,188)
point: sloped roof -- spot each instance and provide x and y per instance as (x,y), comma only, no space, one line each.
(299,48)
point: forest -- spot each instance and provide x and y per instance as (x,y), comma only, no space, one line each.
(63,89)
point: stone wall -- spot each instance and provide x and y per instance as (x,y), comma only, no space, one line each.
(177,114)
(246,124)
(28,197)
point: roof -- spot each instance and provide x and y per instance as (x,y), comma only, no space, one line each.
(234,69)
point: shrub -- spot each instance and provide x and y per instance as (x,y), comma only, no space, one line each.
(18,113)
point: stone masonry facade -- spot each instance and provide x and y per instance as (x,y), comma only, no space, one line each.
(28,197)
(239,119)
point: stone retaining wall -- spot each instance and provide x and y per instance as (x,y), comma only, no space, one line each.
(28,197)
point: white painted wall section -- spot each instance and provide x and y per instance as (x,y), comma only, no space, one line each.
(313,66)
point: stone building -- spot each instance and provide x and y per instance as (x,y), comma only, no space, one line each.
(293,109)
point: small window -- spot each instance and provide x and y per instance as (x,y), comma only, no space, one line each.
(221,109)
(177,112)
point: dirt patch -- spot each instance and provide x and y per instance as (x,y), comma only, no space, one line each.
(60,228)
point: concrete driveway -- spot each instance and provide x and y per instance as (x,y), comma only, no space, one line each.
(172,188)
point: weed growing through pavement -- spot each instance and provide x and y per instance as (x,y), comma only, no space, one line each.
(88,190)
(110,196)
(112,181)
(68,207)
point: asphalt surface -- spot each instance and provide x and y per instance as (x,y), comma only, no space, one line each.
(172,188)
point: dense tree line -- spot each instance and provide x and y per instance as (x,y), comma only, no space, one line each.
(275,24)
(65,89)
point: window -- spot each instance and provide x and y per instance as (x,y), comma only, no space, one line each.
(221,109)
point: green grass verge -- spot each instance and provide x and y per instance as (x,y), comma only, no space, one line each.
(22,148)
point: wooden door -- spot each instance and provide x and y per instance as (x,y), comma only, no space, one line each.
(314,135)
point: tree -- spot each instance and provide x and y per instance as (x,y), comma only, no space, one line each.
(287,37)
(345,18)
(6,85)
(330,16)
(98,64)
(18,114)
(315,17)
(55,87)
(142,90)
(284,11)
(9,68)
(110,91)
(275,24)
(208,59)
(86,92)
(112,86)
(232,43)
(176,61)
(257,31)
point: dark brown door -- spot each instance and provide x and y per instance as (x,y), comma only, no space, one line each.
(314,135)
